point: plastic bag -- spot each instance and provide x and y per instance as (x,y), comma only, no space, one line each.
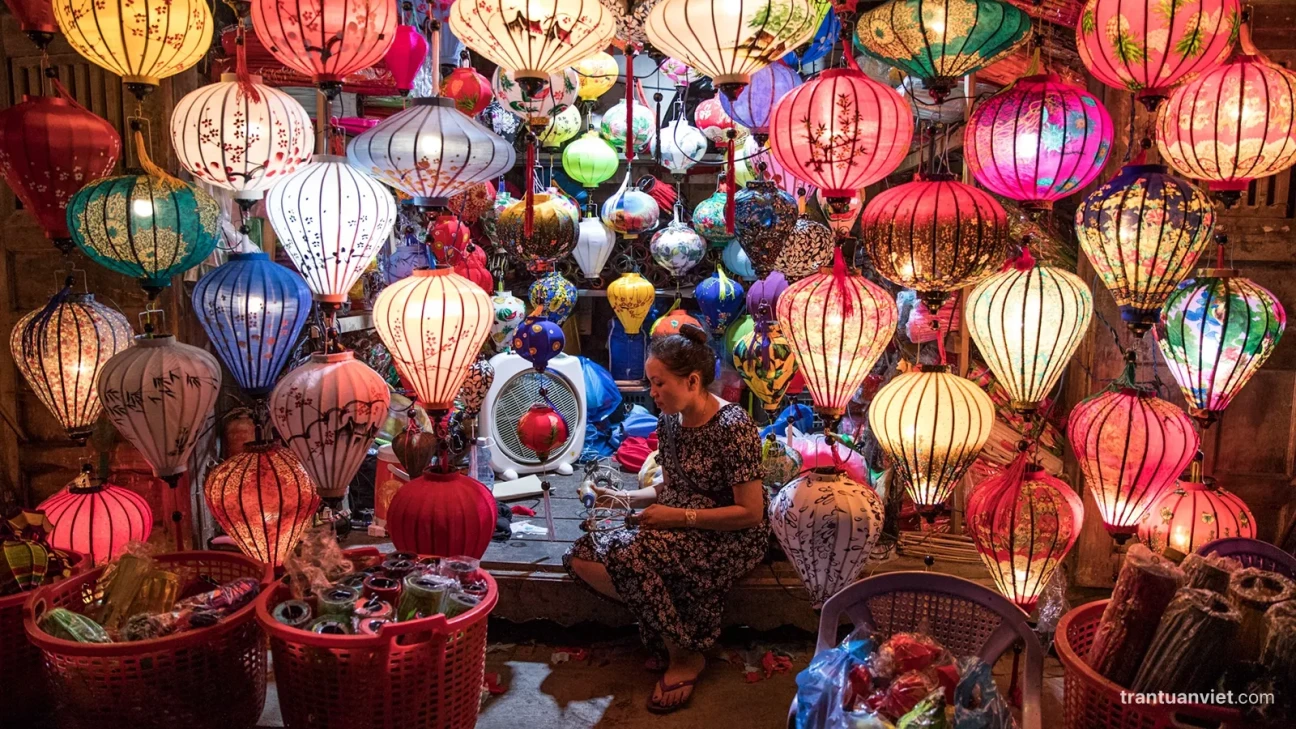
(602,397)
(928,713)
(795,414)
(822,685)
(977,701)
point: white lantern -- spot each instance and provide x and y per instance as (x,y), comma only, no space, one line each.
(332,219)
(328,411)
(431,151)
(509,313)
(827,523)
(563,126)
(533,38)
(159,395)
(613,126)
(593,246)
(682,146)
(240,137)
(536,105)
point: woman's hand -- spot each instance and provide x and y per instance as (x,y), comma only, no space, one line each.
(661,517)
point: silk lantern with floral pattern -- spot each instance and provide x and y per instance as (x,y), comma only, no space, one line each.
(809,247)
(1192,513)
(97,518)
(681,146)
(631,296)
(470,90)
(263,499)
(677,247)
(554,295)
(720,299)
(598,73)
(553,232)
(142,44)
(535,105)
(326,41)
(532,39)
(509,313)
(715,124)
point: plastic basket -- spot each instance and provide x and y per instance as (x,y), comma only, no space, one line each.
(18,657)
(420,674)
(1253,553)
(214,678)
(1090,701)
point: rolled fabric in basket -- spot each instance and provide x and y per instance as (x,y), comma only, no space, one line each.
(1279,652)
(338,602)
(1146,584)
(1191,645)
(1253,591)
(1209,572)
(293,613)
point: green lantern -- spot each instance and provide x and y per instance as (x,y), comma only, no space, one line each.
(590,160)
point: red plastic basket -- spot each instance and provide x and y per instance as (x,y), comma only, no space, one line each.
(1090,701)
(420,674)
(213,678)
(18,657)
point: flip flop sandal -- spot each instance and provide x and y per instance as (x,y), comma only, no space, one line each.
(663,689)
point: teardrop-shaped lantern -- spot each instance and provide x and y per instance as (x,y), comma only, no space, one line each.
(554,230)
(405,57)
(827,524)
(554,295)
(329,411)
(97,518)
(442,513)
(766,363)
(264,500)
(590,160)
(533,39)
(764,217)
(326,41)
(631,296)
(753,106)
(141,44)
(594,243)
(677,248)
(809,247)
(509,311)
(414,448)
(720,298)
(682,146)
(1193,513)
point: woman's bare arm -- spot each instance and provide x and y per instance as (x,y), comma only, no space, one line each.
(748,510)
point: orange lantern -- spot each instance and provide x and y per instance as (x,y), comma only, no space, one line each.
(1194,512)
(264,500)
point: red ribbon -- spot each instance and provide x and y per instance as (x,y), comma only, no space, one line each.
(241,69)
(731,189)
(528,220)
(839,276)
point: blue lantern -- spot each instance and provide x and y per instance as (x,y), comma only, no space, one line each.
(819,46)
(253,310)
(753,106)
(555,295)
(736,260)
(720,298)
(626,353)
(538,340)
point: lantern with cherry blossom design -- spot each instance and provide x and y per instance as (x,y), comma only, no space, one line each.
(326,41)
(97,518)
(141,44)
(1192,513)
(533,39)
(263,499)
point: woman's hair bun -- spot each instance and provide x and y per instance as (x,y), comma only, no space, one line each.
(693,333)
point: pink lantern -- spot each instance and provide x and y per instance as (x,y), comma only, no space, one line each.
(96,518)
(406,56)
(1192,513)
(714,123)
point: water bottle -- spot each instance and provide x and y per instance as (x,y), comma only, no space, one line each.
(482,470)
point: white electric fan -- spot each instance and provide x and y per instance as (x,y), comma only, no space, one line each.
(515,389)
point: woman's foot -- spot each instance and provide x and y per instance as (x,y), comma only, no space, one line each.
(675,688)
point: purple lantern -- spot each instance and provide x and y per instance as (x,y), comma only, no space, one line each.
(538,340)
(753,105)
(763,295)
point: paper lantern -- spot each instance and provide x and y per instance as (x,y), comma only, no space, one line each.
(709,221)
(630,212)
(1038,140)
(1026,325)
(764,217)
(598,72)
(433,323)
(536,105)
(51,146)
(672,322)
(1216,331)
(841,215)
(736,261)
(841,132)
(1131,446)
(96,519)
(677,248)
(509,313)
(827,524)
(677,71)
(1142,232)
(838,325)
(681,146)
(1024,522)
(631,296)
(60,349)
(542,429)
(756,33)
(253,310)
(554,230)
(538,340)
(36,19)
(326,41)
(554,295)
(766,363)
(594,242)
(763,296)
(1194,513)
(590,160)
(1149,46)
(430,151)
(753,105)
(934,236)
(613,126)
(442,513)
(720,298)
(159,394)
(715,124)
(533,39)
(470,90)
(481,375)
(932,425)
(241,137)
(264,500)
(141,44)
(405,57)
(808,248)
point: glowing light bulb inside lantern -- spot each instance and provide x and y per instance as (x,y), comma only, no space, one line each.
(142,208)
(1027,147)
(1181,539)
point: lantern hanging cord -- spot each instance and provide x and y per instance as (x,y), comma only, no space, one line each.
(146,163)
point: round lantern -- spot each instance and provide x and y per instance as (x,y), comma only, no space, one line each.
(1023,522)
(252,310)
(1148,46)
(561,127)
(709,221)
(326,41)
(613,126)
(35,19)
(764,217)
(542,429)
(1038,140)
(838,325)
(720,298)
(433,323)
(594,242)
(590,160)
(481,375)
(241,137)
(442,513)
(536,106)
(715,124)
(766,363)
(935,236)
(97,519)
(509,313)
(60,349)
(264,500)
(533,39)
(554,295)
(735,260)
(554,230)
(159,394)
(827,524)
(414,449)
(677,247)
(1192,514)
(780,464)
(598,72)
(1027,324)
(841,215)
(405,57)
(332,219)
(808,248)
(1215,332)
(471,204)
(141,44)
(631,296)
(629,211)
(841,132)
(470,90)
(329,411)
(932,424)
(1143,231)
(672,322)
(50,146)
(538,340)
(678,71)
(763,296)
(681,145)
(688,29)
(1131,445)
(753,105)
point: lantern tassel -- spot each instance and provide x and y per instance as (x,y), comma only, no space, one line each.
(839,276)
(730,190)
(241,69)
(528,220)
(147,165)
(629,100)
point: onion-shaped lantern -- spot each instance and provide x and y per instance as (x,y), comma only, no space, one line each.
(561,127)
(442,513)
(60,349)
(630,211)
(554,295)
(1024,522)
(1143,231)
(764,218)
(1216,331)
(433,323)
(35,19)
(613,126)
(470,90)
(509,313)
(406,56)
(720,298)
(326,41)
(681,145)
(709,221)
(940,41)
(753,106)
(1038,140)
(430,151)
(253,310)
(631,296)
(1149,46)
(766,363)
(809,247)
(533,39)
(243,137)
(539,340)
(141,44)
(264,500)
(838,325)
(841,132)
(590,160)
(932,424)
(598,73)
(1026,325)
(1132,446)
(715,124)
(554,230)
(96,518)
(677,247)
(328,412)
(1193,513)
(594,242)
(934,235)
(332,219)
(763,296)
(536,105)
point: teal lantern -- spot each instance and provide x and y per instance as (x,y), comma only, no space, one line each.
(709,220)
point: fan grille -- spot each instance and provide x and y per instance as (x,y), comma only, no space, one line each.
(517,396)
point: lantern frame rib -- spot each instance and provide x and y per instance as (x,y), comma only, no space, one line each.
(261,461)
(533,50)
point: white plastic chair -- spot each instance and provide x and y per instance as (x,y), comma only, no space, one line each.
(966,618)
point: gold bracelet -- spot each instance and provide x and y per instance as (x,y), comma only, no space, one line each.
(690,518)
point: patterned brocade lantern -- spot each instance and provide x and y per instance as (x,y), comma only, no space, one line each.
(264,500)
(326,41)
(764,218)
(555,228)
(141,44)
(1193,513)
(532,39)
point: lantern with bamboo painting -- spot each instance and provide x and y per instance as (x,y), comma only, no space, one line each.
(96,518)
(263,499)
(326,41)
(533,39)
(1194,512)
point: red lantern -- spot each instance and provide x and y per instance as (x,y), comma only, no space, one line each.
(1193,513)
(264,500)
(448,232)
(51,147)
(36,19)
(97,519)
(406,56)
(445,514)
(470,90)
(542,429)
(326,40)
(472,266)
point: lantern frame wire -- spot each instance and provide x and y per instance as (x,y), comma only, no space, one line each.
(231,477)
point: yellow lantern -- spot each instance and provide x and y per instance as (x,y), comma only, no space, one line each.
(597,73)
(766,363)
(142,43)
(630,297)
